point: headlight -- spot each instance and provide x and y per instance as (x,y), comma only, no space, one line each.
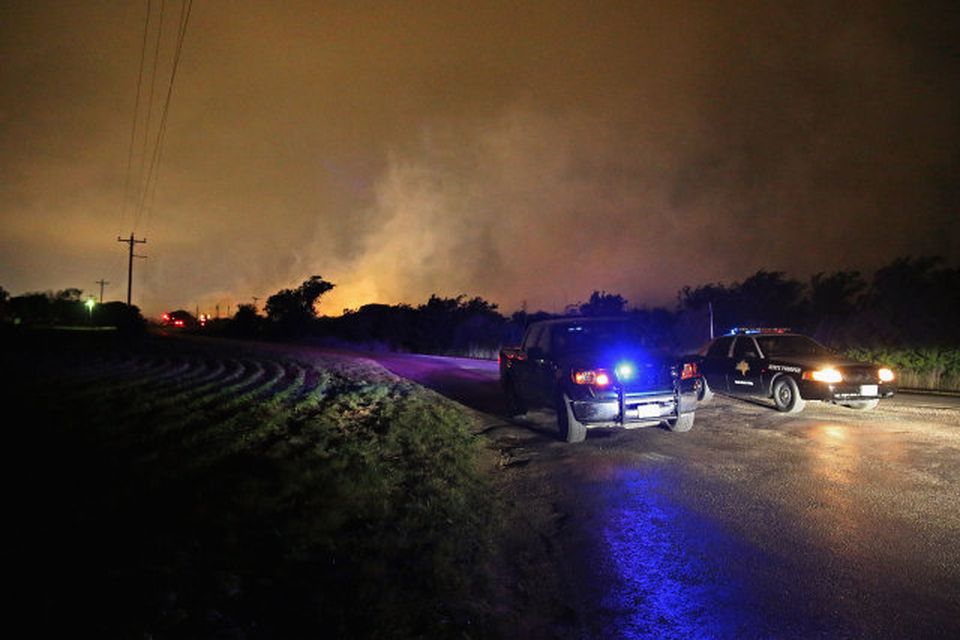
(886,375)
(829,375)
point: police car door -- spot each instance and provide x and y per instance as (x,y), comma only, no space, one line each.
(744,374)
(716,363)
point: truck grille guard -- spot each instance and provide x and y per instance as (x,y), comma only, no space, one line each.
(622,404)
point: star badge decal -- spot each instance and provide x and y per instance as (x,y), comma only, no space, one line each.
(742,367)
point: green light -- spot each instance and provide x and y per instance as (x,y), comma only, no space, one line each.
(90,304)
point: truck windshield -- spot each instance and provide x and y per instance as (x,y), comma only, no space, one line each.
(587,335)
(776,346)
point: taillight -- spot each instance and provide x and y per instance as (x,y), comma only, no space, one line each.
(689,371)
(595,377)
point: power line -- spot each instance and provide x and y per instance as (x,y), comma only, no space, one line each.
(146,140)
(143,193)
(136,118)
(150,185)
(142,177)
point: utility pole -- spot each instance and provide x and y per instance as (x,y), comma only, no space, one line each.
(710,307)
(131,242)
(101,283)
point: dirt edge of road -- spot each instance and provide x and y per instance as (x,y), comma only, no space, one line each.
(531,595)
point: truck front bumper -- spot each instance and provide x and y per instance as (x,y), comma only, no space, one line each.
(634,409)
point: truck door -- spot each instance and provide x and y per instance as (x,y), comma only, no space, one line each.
(743,376)
(543,369)
(523,368)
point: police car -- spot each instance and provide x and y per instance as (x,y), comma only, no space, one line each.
(790,369)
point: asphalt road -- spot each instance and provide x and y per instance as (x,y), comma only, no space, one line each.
(831,523)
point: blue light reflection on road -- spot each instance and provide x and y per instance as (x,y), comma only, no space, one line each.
(670,573)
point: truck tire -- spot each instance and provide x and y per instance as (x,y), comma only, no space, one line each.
(786,395)
(705,394)
(571,430)
(681,424)
(514,404)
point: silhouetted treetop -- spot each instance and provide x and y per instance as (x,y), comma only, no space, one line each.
(602,303)
(292,310)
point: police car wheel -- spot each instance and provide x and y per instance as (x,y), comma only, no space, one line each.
(705,394)
(863,405)
(571,429)
(786,395)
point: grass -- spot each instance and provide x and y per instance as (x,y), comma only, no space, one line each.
(162,489)
(935,369)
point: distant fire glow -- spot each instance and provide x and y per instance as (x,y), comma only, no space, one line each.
(527,153)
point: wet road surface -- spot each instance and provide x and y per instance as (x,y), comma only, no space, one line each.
(832,523)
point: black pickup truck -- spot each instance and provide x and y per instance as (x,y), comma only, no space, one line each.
(598,372)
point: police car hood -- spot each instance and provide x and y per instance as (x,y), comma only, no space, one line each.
(818,361)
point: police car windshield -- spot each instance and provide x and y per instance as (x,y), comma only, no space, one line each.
(585,336)
(776,346)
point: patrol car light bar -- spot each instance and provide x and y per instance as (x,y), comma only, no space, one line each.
(751,330)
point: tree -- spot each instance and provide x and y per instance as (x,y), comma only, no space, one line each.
(246,321)
(602,303)
(835,295)
(292,310)
(32,308)
(915,301)
(769,297)
(67,307)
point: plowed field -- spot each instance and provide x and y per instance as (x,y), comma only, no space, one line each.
(171,488)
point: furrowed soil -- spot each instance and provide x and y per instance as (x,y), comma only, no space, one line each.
(164,488)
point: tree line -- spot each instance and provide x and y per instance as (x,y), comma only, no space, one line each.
(67,308)
(910,302)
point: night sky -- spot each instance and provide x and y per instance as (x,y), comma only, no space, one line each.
(525,152)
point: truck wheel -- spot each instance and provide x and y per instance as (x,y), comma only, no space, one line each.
(514,404)
(786,395)
(681,424)
(705,394)
(863,405)
(570,428)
